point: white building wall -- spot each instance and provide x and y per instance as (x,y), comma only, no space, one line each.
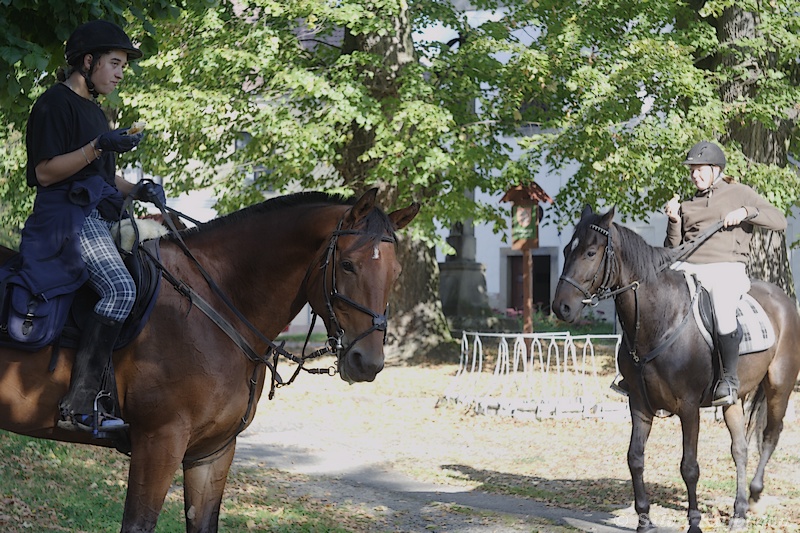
(493,251)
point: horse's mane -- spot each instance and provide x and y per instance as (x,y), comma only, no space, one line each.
(376,222)
(644,260)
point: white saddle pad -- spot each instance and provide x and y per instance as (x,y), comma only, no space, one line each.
(758,333)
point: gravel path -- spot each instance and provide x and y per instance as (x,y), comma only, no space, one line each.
(330,471)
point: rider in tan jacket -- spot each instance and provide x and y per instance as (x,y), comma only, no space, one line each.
(719,263)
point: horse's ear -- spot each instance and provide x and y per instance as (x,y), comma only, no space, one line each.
(605,220)
(402,217)
(363,206)
(587,210)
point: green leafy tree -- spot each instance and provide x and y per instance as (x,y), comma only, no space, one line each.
(32,38)
(315,95)
(627,87)
(259,95)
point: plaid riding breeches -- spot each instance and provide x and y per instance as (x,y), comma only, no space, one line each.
(108,275)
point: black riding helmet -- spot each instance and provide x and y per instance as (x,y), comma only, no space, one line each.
(705,153)
(98,35)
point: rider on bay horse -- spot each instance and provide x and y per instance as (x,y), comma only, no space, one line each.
(719,263)
(67,240)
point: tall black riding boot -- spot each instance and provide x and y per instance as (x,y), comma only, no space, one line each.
(726,391)
(82,408)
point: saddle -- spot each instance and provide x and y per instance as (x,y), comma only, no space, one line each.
(757,331)
(147,277)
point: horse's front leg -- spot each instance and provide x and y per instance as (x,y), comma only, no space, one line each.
(155,457)
(642,423)
(690,469)
(204,483)
(734,419)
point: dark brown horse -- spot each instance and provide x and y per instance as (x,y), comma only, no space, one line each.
(667,363)
(184,385)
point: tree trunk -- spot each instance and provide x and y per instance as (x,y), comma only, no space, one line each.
(769,258)
(418,330)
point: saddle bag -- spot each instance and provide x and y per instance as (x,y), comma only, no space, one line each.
(30,319)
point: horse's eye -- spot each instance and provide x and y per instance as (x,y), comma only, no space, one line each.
(591,253)
(348,266)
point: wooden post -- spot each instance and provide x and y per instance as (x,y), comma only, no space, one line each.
(527,290)
(525,216)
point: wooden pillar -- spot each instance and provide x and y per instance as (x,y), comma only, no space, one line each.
(525,217)
(527,290)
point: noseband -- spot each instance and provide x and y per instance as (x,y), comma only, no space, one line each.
(379,321)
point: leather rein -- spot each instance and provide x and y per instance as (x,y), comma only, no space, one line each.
(274,351)
(334,343)
(610,268)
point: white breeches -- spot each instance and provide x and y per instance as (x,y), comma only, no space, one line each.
(726,283)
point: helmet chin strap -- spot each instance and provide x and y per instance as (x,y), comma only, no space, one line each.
(88,76)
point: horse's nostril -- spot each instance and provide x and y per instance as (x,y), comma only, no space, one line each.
(364,367)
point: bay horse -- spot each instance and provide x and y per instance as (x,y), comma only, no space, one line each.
(666,361)
(185,387)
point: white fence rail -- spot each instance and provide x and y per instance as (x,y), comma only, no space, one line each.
(536,375)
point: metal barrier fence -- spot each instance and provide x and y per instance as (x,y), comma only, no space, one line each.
(536,375)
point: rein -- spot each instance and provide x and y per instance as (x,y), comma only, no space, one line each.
(604,292)
(274,351)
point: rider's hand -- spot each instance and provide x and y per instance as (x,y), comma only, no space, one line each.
(118,140)
(149,191)
(734,218)
(673,208)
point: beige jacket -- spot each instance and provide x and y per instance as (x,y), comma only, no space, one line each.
(708,207)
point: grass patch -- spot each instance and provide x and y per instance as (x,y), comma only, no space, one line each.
(576,464)
(47,486)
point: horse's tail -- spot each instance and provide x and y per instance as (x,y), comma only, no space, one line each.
(755,412)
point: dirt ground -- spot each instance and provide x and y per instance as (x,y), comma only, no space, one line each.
(395,453)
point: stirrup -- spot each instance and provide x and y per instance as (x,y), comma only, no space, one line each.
(99,423)
(621,386)
(726,399)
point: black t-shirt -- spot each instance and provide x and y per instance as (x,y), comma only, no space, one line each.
(62,121)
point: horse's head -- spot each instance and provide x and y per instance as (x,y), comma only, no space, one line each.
(588,265)
(351,288)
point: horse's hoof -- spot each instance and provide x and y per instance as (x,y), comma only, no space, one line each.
(738,524)
(694,521)
(645,525)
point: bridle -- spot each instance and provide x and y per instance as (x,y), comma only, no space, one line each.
(379,321)
(609,267)
(274,351)
(334,343)
(604,292)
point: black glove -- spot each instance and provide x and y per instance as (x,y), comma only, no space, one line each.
(119,140)
(149,191)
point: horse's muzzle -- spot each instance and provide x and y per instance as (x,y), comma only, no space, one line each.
(356,366)
(566,308)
